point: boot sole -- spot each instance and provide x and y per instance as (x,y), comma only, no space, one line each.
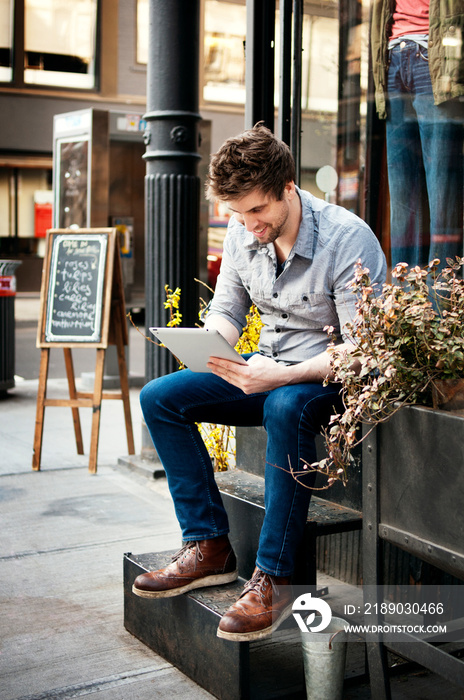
(214,580)
(256,634)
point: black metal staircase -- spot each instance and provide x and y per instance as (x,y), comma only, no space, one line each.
(183,629)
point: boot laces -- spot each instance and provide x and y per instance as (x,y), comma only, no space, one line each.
(186,549)
(258,583)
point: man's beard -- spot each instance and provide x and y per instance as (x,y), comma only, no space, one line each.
(275,232)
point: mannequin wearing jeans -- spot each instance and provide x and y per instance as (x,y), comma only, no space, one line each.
(425,162)
(418,70)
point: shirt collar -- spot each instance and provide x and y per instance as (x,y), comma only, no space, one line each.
(304,243)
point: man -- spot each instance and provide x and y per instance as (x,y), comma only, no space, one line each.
(292,255)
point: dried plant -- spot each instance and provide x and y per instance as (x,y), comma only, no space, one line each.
(409,341)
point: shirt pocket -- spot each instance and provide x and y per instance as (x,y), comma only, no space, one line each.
(312,310)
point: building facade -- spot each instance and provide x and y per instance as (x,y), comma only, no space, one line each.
(59,57)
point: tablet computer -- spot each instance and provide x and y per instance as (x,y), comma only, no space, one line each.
(194,346)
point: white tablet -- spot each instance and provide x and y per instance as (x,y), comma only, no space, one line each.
(194,346)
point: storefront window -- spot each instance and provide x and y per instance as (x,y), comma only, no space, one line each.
(418,68)
(335,67)
(59,45)
(25,203)
(399,188)
(320,64)
(142,31)
(6,40)
(224,54)
(224,51)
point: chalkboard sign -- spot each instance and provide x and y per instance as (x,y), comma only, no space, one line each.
(82,305)
(77,287)
(75,292)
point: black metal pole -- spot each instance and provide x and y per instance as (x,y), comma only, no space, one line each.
(349,100)
(259,68)
(296,92)
(260,78)
(285,77)
(172,185)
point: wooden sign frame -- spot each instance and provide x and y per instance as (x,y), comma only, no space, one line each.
(81,295)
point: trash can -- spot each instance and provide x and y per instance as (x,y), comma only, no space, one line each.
(7,323)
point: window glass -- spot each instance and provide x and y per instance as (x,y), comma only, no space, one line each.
(5,202)
(224,52)
(142,31)
(59,44)
(224,55)
(25,203)
(6,36)
(418,81)
(320,64)
(224,49)
(72,177)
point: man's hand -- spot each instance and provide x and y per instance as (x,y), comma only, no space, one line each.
(258,375)
(264,374)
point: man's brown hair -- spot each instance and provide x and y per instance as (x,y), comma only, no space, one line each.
(255,159)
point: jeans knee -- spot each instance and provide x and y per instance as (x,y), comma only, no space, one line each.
(153,395)
(280,411)
(144,394)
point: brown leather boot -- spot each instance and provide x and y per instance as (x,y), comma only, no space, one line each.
(266,601)
(197,564)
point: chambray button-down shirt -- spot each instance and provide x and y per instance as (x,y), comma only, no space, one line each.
(311,291)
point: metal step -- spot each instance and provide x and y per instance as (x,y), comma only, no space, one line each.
(183,631)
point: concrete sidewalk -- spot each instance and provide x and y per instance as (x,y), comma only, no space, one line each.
(64,533)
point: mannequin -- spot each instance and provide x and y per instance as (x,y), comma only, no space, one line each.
(418,73)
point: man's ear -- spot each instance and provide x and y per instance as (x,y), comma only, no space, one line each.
(289,191)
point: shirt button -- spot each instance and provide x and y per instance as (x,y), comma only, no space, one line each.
(284,315)
(274,354)
(275,295)
(277,330)
(305,298)
(403,44)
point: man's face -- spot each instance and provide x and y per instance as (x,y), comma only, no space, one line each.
(261,214)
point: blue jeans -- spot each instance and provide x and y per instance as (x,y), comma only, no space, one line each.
(292,416)
(425,162)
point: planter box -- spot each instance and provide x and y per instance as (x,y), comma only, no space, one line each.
(420,473)
(413,495)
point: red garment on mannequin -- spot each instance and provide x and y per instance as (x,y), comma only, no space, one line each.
(410,17)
